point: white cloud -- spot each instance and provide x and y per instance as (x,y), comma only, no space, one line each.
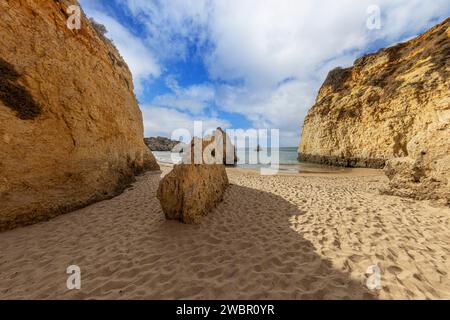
(195,98)
(282,108)
(278,52)
(139,57)
(264,43)
(160,121)
(172,25)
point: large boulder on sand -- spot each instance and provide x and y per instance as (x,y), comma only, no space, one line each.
(391,108)
(190,191)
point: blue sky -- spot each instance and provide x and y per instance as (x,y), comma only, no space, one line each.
(247,63)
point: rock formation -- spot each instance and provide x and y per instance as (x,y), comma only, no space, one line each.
(392,106)
(161,144)
(190,191)
(71,131)
(367,114)
(215,148)
(425,173)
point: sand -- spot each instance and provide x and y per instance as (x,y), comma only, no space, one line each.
(296,236)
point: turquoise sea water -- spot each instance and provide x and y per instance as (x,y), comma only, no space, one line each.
(286,156)
(287,160)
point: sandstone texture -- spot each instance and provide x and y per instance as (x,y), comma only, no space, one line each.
(161,143)
(391,107)
(190,191)
(216,148)
(71,131)
(425,173)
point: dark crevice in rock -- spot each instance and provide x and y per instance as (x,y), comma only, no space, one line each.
(350,162)
(15,96)
(337,77)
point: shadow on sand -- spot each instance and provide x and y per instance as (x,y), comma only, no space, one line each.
(248,248)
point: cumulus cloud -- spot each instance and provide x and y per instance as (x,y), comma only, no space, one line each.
(172,26)
(195,98)
(159,121)
(282,108)
(267,59)
(139,57)
(265,42)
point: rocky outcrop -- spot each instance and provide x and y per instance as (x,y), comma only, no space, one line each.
(367,114)
(391,107)
(161,143)
(215,148)
(190,191)
(71,131)
(425,173)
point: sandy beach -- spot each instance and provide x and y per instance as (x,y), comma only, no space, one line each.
(291,236)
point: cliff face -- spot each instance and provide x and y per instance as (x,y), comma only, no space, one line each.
(71,131)
(367,114)
(392,104)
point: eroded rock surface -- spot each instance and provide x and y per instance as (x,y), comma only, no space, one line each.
(190,191)
(367,114)
(71,131)
(425,173)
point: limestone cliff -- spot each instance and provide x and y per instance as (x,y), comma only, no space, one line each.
(391,104)
(71,131)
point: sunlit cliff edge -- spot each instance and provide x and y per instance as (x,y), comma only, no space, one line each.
(390,109)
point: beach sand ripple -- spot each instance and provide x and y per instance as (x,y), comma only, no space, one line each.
(280,237)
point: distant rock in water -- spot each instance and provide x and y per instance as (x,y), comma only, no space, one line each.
(71,132)
(215,148)
(391,107)
(161,143)
(190,191)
